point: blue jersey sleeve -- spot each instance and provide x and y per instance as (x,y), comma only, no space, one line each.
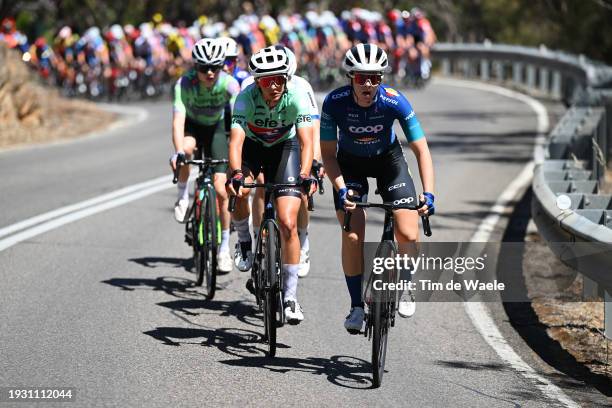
(408,120)
(329,127)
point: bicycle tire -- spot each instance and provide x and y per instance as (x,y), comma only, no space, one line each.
(270,287)
(381,318)
(208,241)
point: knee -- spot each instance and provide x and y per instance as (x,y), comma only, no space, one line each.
(288,226)
(352,239)
(406,235)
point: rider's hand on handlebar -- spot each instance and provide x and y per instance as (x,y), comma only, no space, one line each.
(345,195)
(317,169)
(309,184)
(429,207)
(235,183)
(178,157)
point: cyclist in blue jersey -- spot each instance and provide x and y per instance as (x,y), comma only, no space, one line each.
(357,142)
(231,60)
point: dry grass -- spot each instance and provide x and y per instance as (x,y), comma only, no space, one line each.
(31,113)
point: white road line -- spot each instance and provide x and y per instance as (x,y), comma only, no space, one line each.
(79,206)
(477,311)
(101,203)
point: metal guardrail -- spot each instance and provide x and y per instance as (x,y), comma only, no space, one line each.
(578,151)
(537,71)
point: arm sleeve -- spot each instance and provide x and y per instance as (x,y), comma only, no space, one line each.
(240,111)
(178,104)
(408,120)
(329,127)
(233,89)
(303,117)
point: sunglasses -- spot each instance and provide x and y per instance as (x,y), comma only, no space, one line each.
(205,68)
(230,61)
(268,81)
(361,79)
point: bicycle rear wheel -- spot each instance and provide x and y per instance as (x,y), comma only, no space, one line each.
(381,317)
(270,283)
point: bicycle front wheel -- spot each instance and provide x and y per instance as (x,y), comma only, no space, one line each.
(207,268)
(270,279)
(381,316)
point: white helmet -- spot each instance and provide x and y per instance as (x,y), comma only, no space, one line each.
(365,58)
(231,47)
(208,51)
(292,61)
(269,61)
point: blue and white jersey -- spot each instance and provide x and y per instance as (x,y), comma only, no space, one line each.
(367,131)
(240,74)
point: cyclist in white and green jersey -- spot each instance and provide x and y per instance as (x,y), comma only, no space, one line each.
(200,97)
(272,131)
(258,201)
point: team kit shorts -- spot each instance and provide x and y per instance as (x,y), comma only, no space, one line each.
(211,141)
(390,169)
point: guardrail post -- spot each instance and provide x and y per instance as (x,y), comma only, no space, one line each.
(556,85)
(531,76)
(517,73)
(608,313)
(544,80)
(484,70)
(498,66)
(446,67)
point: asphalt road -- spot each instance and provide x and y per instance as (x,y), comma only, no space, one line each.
(106,304)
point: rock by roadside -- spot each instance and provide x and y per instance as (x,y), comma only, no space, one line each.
(556,293)
(31,113)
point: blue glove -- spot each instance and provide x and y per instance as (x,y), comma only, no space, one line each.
(429,202)
(342,194)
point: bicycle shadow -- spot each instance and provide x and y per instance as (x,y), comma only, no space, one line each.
(248,347)
(156,262)
(173,286)
(243,311)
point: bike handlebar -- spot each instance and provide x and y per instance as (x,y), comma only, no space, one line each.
(388,207)
(268,187)
(180,161)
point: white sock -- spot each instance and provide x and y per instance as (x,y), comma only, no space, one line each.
(304,243)
(290,272)
(183,193)
(225,234)
(242,229)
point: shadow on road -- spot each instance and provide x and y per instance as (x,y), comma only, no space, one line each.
(248,346)
(181,288)
(243,311)
(156,262)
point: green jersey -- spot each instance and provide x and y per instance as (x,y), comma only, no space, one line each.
(270,126)
(200,104)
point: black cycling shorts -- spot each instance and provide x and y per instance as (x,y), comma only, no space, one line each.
(211,141)
(280,163)
(390,170)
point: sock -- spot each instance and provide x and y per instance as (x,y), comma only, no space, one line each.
(225,234)
(304,243)
(290,272)
(183,193)
(354,287)
(242,229)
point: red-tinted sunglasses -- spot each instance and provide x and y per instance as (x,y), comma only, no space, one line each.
(361,79)
(267,81)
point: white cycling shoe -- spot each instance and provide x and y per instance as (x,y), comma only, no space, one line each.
(180,209)
(354,320)
(304,263)
(243,256)
(407,304)
(224,262)
(293,312)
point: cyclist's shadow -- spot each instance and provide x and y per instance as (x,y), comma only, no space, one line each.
(247,346)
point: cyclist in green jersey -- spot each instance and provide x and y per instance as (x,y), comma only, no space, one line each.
(272,131)
(200,97)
